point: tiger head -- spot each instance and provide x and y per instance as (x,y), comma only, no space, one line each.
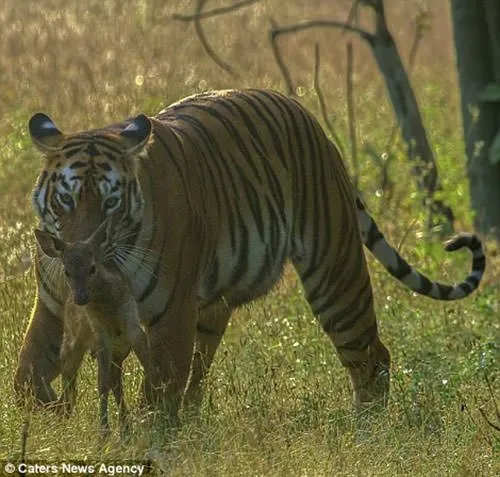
(89,176)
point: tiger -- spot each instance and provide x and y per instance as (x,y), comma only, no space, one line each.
(210,198)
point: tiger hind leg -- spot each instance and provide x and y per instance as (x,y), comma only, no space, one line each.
(342,301)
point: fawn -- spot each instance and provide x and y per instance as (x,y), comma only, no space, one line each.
(100,314)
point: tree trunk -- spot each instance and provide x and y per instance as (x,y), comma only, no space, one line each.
(476,26)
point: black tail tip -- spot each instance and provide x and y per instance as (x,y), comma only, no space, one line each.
(471,241)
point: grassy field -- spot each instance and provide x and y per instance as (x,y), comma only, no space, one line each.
(278,401)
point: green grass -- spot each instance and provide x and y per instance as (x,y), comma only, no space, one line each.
(277,401)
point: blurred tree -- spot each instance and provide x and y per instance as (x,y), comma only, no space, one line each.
(476,25)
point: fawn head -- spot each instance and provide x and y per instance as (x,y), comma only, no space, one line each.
(81,260)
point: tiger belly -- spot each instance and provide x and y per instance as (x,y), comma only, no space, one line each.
(242,275)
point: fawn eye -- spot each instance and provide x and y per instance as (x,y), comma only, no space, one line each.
(92,270)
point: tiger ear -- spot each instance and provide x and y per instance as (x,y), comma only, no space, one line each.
(137,134)
(49,244)
(44,133)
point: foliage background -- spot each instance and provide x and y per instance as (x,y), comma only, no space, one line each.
(278,401)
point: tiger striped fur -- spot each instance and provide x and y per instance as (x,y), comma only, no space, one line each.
(210,198)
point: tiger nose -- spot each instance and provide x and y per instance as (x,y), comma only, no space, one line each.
(81,298)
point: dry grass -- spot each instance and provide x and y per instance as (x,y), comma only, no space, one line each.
(278,400)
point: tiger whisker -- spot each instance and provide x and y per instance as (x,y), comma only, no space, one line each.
(125,260)
(146,255)
(121,264)
(143,254)
(135,260)
(53,269)
(123,236)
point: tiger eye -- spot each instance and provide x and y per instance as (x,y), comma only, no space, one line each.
(66,199)
(110,202)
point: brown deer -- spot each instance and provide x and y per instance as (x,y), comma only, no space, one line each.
(100,314)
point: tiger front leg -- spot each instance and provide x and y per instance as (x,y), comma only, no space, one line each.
(38,364)
(210,328)
(171,343)
(135,335)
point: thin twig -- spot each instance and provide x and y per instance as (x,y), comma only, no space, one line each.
(490,423)
(206,46)
(351,115)
(465,408)
(279,59)
(321,99)
(9,278)
(497,410)
(275,32)
(214,12)
(24,438)
(211,52)
(386,184)
(420,28)
(405,235)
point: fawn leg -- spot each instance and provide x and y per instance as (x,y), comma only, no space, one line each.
(103,377)
(116,384)
(72,352)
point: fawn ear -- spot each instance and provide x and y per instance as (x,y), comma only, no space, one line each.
(49,244)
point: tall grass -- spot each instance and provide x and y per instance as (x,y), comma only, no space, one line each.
(277,401)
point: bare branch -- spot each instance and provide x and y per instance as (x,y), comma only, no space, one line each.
(488,420)
(382,162)
(321,98)
(303,26)
(206,46)
(279,59)
(493,425)
(214,12)
(421,26)
(277,31)
(211,52)
(351,115)
(492,394)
